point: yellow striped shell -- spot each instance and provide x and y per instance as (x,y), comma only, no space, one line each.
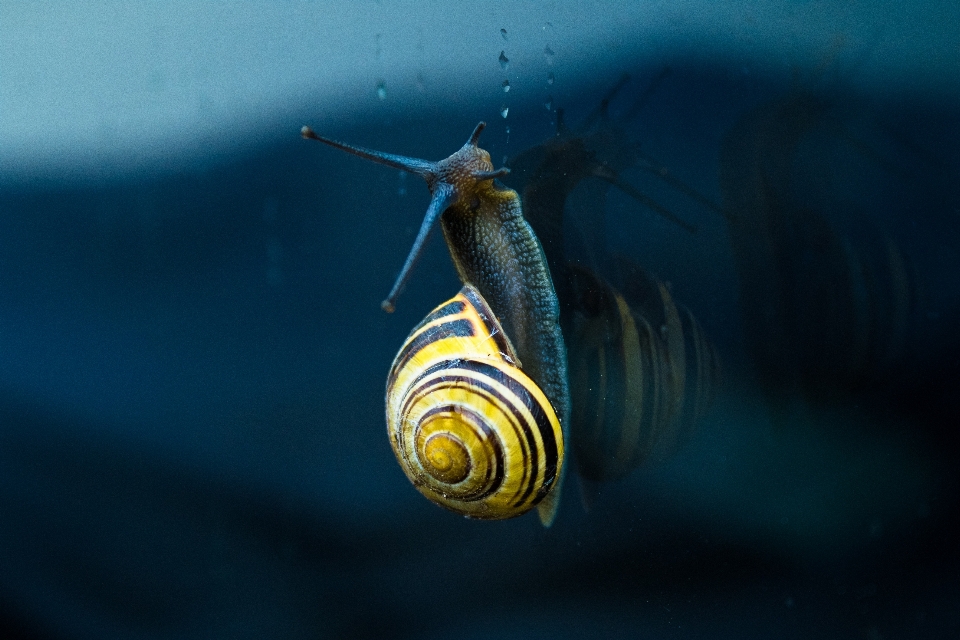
(471,430)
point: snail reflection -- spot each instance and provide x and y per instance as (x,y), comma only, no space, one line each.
(642,371)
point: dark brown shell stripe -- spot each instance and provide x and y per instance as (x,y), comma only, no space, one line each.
(548,442)
(451,308)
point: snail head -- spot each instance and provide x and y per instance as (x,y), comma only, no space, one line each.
(451,181)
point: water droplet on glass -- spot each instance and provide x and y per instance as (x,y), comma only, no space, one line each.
(550,78)
(504,110)
(381,90)
(506,86)
(504,61)
(548,54)
(549,103)
(508,130)
(503,32)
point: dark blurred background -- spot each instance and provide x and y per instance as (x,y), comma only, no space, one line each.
(193,358)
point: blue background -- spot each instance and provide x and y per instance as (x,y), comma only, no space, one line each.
(192,354)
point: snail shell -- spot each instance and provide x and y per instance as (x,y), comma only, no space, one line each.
(470,429)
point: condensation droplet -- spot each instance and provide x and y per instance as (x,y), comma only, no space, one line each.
(503,32)
(504,110)
(381,89)
(506,86)
(504,61)
(548,54)
(549,103)
(550,78)
(508,130)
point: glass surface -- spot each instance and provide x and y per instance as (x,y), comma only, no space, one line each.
(193,356)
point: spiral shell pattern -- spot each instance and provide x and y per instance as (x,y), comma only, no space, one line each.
(470,429)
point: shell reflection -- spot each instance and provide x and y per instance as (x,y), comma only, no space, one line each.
(642,373)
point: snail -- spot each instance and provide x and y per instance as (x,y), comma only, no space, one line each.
(470,349)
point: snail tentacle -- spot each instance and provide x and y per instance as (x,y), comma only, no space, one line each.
(443,196)
(423,168)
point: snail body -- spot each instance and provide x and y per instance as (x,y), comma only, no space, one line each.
(498,257)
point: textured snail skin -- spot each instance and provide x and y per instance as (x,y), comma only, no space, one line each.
(472,432)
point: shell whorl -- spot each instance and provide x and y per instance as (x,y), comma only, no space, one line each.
(471,430)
